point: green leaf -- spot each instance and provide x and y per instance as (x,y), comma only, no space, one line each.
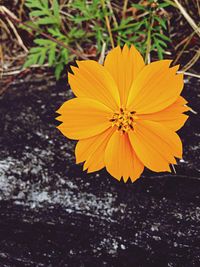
(139,7)
(161,22)
(162,43)
(163,5)
(47,20)
(171,3)
(31,60)
(76,33)
(38,13)
(52,55)
(65,54)
(56,9)
(162,36)
(42,42)
(42,57)
(34,50)
(34,4)
(29,23)
(133,38)
(28,62)
(159,50)
(125,21)
(55,32)
(45,3)
(99,37)
(58,69)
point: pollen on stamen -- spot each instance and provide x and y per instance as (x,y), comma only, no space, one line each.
(123,120)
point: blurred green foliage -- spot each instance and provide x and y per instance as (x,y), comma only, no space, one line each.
(81,24)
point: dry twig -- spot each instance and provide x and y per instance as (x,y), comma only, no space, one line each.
(102,56)
(195,27)
(192,61)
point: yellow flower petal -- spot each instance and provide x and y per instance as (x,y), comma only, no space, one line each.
(156,87)
(92,80)
(120,158)
(92,150)
(124,66)
(168,136)
(175,124)
(155,145)
(181,101)
(83,118)
(171,116)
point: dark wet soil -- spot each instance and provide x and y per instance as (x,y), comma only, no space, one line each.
(53,214)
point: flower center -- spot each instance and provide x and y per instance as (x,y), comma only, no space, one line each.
(124,120)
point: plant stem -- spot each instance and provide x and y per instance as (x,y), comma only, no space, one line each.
(107,23)
(148,49)
(124,9)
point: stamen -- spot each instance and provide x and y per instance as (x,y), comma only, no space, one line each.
(124,120)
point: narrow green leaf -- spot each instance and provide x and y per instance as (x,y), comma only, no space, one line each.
(172,3)
(162,36)
(45,3)
(34,4)
(58,69)
(163,5)
(47,20)
(28,63)
(52,56)
(65,54)
(42,57)
(139,7)
(56,9)
(159,50)
(38,13)
(34,50)
(161,22)
(43,42)
(31,60)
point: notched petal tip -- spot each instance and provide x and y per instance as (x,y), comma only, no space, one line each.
(175,68)
(117,177)
(74,70)
(70,76)
(125,179)
(125,48)
(116,49)
(59,118)
(89,170)
(78,161)
(85,167)
(80,62)
(59,127)
(58,111)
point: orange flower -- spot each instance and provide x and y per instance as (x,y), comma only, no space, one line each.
(125,114)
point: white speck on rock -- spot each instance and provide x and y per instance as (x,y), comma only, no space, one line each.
(123,247)
(155,227)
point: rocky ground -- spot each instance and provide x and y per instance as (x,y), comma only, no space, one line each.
(53,214)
